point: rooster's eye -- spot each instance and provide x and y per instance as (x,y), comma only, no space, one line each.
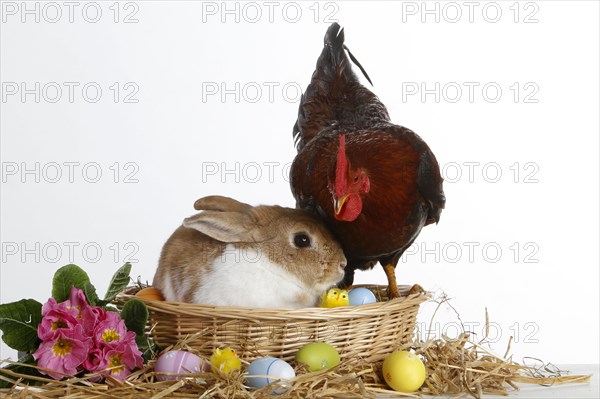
(301,240)
(355,179)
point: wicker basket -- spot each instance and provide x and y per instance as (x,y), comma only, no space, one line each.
(366,333)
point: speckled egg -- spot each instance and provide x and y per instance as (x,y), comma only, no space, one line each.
(361,296)
(274,369)
(179,362)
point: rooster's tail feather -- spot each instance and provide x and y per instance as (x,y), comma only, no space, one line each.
(332,73)
(333,61)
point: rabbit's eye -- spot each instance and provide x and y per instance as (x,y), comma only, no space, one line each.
(301,240)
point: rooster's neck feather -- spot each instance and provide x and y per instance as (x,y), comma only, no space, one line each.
(341,169)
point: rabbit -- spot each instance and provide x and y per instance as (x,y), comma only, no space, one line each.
(235,254)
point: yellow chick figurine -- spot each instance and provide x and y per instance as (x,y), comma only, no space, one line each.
(334,298)
(225,360)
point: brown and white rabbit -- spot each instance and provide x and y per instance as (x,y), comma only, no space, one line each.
(234,254)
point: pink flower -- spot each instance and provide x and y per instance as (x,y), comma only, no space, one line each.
(121,359)
(77,300)
(112,331)
(98,313)
(76,337)
(90,317)
(87,315)
(63,353)
(96,361)
(56,317)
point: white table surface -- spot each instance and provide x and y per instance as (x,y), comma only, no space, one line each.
(567,391)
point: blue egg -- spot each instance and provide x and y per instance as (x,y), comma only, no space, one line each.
(271,367)
(361,296)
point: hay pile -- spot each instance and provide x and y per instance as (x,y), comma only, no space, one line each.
(457,366)
(454,366)
(461,366)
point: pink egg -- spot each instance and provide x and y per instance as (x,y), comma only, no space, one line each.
(179,362)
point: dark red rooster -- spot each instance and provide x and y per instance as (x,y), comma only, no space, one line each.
(375,184)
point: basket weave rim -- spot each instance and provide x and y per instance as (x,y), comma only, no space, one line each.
(378,308)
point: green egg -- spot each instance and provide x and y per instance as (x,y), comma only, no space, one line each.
(318,356)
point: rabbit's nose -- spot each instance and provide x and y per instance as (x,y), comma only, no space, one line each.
(342,266)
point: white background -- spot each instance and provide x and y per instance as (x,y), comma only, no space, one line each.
(543,290)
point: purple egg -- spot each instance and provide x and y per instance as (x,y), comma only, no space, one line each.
(179,362)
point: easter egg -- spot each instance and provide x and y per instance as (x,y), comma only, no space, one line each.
(179,362)
(404,371)
(274,369)
(150,293)
(318,356)
(361,296)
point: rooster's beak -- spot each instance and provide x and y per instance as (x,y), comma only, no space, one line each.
(338,203)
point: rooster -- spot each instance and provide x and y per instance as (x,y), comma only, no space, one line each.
(374,183)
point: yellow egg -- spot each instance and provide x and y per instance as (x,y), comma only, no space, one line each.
(404,371)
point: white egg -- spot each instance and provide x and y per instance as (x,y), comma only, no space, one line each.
(274,369)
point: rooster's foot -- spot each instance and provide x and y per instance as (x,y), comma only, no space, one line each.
(416,289)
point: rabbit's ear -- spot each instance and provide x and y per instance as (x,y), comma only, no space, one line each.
(219,203)
(223,226)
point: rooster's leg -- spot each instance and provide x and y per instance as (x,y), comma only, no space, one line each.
(390,272)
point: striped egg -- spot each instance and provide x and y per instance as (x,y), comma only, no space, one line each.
(179,362)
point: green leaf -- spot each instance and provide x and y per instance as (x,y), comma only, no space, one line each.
(90,294)
(65,278)
(135,316)
(18,322)
(21,369)
(119,281)
(148,348)
(110,308)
